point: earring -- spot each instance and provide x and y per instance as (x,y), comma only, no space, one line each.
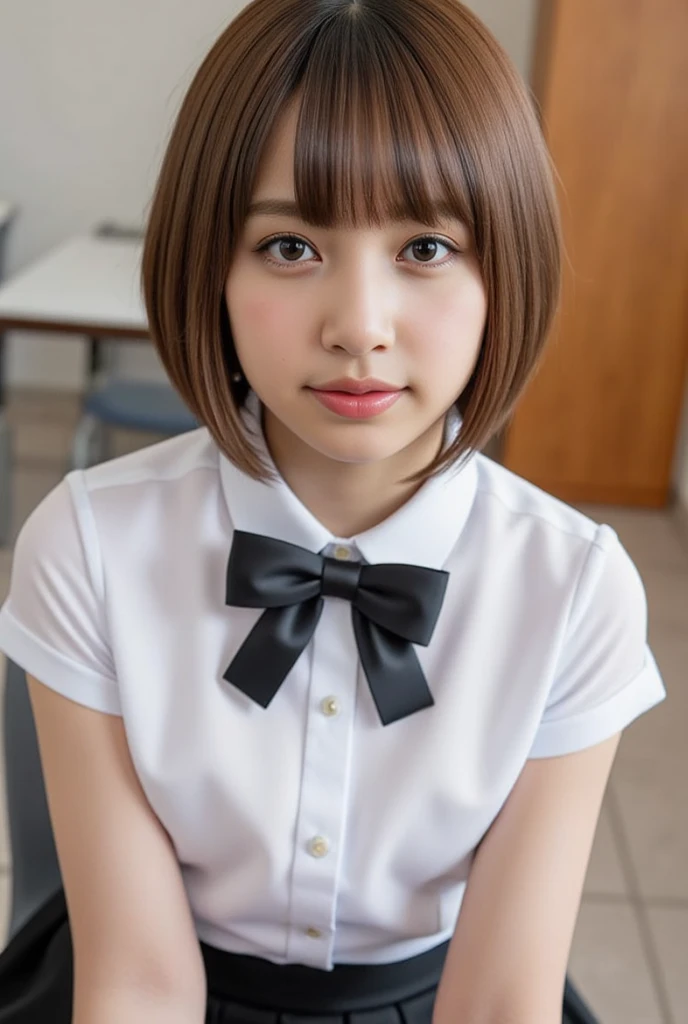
(237,378)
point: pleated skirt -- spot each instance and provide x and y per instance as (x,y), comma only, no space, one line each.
(36,972)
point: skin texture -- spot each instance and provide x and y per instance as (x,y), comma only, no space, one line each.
(371,302)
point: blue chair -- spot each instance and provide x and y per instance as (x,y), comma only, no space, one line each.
(128,404)
(112,401)
(36,874)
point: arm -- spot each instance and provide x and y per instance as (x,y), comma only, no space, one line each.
(136,954)
(508,958)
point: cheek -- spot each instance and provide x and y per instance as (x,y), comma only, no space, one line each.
(450,328)
(261,319)
(262,325)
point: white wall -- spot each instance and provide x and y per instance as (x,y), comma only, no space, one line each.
(88,92)
(513,23)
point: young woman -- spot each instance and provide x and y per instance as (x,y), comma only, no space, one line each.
(327,701)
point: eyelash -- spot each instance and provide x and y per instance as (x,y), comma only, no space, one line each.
(263,251)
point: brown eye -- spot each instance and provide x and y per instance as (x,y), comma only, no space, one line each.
(292,249)
(425,249)
(283,250)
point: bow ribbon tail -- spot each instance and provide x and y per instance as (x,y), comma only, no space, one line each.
(272,648)
(392,669)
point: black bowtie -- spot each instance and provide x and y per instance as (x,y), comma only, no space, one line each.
(394,606)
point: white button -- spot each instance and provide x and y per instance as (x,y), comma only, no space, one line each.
(330,707)
(313,933)
(342,554)
(319,846)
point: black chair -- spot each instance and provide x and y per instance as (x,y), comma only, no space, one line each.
(35,871)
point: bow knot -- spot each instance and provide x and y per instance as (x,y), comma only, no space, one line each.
(340,579)
(393,607)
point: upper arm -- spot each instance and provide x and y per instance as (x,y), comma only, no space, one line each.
(512,942)
(130,919)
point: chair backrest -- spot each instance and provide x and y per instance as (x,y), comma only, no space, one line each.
(35,868)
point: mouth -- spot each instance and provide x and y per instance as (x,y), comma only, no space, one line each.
(351,386)
(357,399)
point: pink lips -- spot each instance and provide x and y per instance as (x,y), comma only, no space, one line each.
(358,400)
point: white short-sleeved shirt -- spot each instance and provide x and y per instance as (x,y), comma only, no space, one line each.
(308,832)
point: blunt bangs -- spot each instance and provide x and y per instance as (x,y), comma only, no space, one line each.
(370,147)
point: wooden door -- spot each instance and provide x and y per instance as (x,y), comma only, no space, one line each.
(600,420)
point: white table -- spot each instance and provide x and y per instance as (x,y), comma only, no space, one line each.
(89,285)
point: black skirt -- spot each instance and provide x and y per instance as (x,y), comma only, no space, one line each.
(36,972)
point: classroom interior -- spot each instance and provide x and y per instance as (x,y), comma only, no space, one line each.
(103,117)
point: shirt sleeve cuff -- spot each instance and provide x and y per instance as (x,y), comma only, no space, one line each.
(568,735)
(57,672)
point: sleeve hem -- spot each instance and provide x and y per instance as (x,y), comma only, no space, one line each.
(569,735)
(66,677)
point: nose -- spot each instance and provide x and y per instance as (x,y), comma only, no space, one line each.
(358,317)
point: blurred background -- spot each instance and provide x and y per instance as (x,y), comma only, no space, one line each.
(88,94)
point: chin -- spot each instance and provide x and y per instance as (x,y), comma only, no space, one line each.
(357,453)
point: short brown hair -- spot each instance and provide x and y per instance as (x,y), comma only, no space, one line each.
(402,102)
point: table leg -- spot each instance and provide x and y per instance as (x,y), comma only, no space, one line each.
(2,372)
(96,359)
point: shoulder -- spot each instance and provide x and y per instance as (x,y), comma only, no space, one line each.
(552,555)
(169,462)
(90,534)
(66,527)
(572,592)
(517,503)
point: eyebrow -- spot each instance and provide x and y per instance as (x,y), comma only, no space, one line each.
(289,208)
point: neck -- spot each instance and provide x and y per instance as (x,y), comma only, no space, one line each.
(349,498)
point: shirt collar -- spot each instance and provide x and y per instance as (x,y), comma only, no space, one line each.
(422,532)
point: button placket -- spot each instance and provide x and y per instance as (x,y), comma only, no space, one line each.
(325,784)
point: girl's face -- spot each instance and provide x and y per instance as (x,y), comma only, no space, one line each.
(317,313)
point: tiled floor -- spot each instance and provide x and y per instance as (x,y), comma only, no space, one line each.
(630,952)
